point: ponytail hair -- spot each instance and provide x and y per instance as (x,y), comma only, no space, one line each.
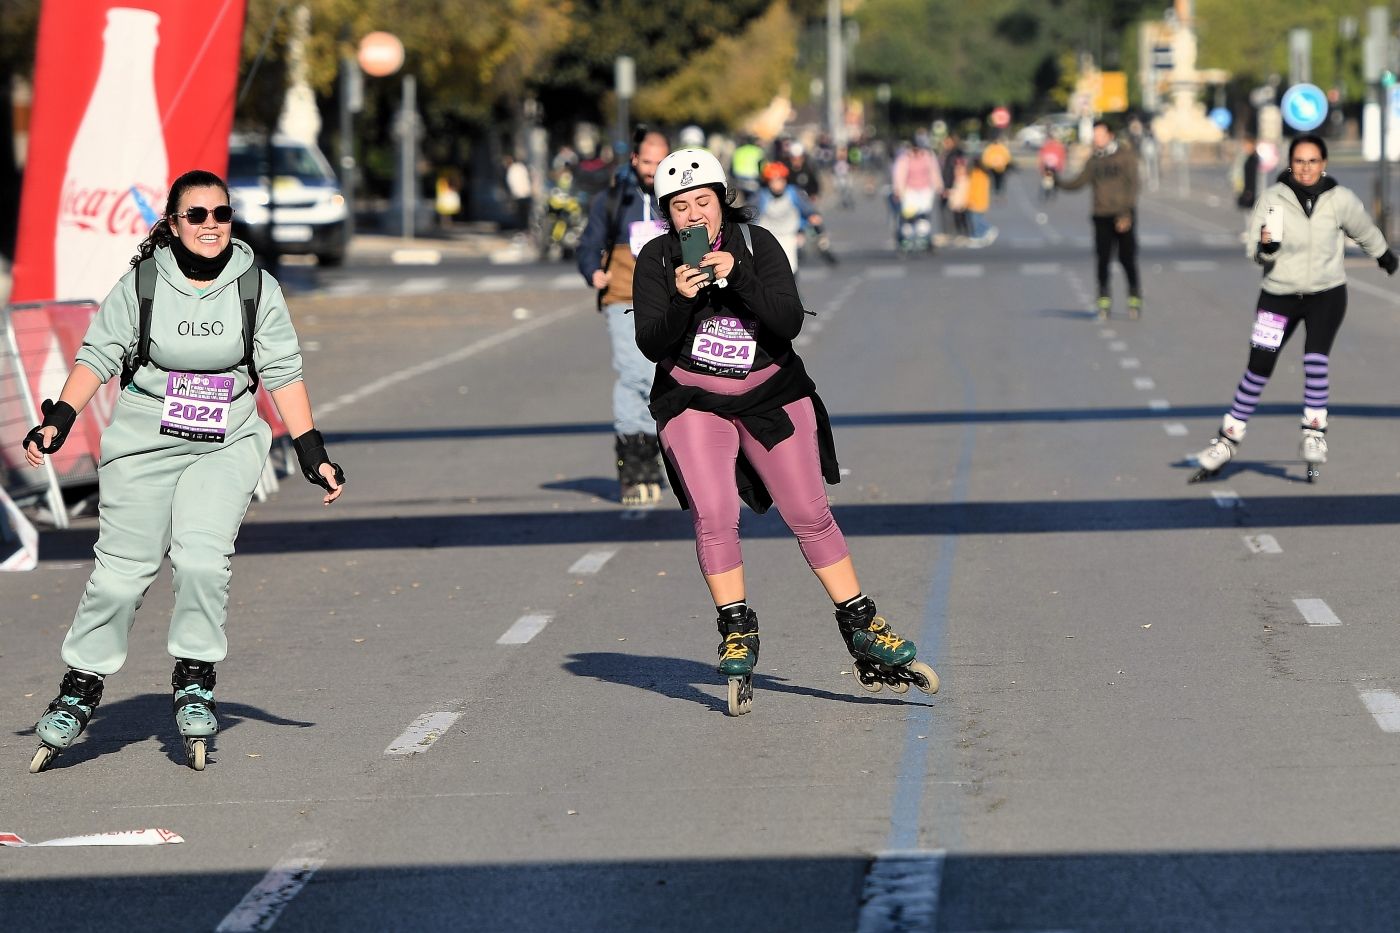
(161,234)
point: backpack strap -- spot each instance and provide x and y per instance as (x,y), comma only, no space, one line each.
(250,294)
(748,237)
(145,300)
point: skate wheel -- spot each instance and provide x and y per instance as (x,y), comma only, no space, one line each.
(41,760)
(869,679)
(196,749)
(898,686)
(923,677)
(740,695)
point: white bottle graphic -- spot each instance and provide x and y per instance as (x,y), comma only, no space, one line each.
(119,146)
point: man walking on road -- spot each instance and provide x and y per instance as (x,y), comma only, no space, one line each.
(1112,171)
(621,221)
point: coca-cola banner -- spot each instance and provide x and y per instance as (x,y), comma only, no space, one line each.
(128,94)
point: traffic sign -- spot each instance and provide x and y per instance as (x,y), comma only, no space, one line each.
(1000,118)
(1222,118)
(1304,107)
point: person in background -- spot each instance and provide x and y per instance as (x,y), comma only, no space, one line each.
(1112,173)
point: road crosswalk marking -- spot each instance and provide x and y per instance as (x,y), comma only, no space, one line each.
(591,563)
(261,906)
(1175,429)
(424,731)
(421,285)
(525,628)
(498,283)
(1384,707)
(1262,544)
(1144,383)
(964,270)
(1316,612)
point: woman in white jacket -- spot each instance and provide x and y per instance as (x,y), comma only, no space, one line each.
(1299,229)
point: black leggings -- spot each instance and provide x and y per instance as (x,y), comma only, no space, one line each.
(1105,237)
(1321,312)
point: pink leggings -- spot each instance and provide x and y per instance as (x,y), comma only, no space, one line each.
(703,448)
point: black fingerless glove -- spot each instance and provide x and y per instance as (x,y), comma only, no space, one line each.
(1268,249)
(311,453)
(1388,261)
(56,415)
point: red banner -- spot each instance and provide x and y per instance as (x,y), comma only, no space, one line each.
(128,94)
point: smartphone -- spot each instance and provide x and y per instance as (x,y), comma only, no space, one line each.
(695,243)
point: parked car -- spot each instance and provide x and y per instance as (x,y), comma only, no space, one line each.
(1033,135)
(310,210)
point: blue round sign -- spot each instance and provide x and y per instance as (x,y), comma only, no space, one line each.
(1304,107)
(1222,118)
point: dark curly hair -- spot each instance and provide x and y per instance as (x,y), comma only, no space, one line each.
(161,234)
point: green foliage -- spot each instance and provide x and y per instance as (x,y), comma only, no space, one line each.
(1250,39)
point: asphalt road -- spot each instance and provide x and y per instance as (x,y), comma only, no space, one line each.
(476,694)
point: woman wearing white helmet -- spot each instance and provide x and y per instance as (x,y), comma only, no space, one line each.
(739,417)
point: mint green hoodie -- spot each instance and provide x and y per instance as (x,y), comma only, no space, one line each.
(194,331)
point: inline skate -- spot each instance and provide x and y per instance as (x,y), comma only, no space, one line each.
(882,658)
(1313,447)
(1220,450)
(738,653)
(66,717)
(195,709)
(638,469)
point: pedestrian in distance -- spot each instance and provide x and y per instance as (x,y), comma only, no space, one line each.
(1298,231)
(1112,173)
(1050,161)
(1248,182)
(717,309)
(192,329)
(996,159)
(621,221)
(784,211)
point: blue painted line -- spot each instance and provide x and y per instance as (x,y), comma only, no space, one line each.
(936,749)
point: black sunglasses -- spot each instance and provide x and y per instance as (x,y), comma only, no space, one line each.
(197,215)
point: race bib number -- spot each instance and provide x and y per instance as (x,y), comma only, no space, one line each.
(725,346)
(642,232)
(1268,330)
(196,406)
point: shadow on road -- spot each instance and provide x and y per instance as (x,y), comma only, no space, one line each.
(677,677)
(137,719)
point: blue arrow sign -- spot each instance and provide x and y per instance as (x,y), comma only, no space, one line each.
(1304,107)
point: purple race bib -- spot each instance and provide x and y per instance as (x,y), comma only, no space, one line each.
(196,406)
(724,346)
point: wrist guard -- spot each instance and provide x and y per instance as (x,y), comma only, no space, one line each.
(1388,261)
(311,453)
(58,415)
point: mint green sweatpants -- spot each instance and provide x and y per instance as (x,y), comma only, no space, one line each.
(160,494)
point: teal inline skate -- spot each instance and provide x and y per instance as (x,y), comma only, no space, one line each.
(66,717)
(738,653)
(195,708)
(882,658)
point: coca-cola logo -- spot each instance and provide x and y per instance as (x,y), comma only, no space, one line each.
(106,210)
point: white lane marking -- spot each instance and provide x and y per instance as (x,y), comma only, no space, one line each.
(1195,265)
(420,285)
(1227,498)
(1144,383)
(1118,346)
(416,257)
(1220,239)
(964,270)
(887,272)
(456,356)
(1130,362)
(261,906)
(901,892)
(1159,404)
(1316,612)
(1040,268)
(424,731)
(1175,429)
(816,275)
(1107,333)
(498,283)
(525,628)
(1262,544)
(347,287)
(1156,239)
(567,281)
(1384,708)
(592,562)
(1373,290)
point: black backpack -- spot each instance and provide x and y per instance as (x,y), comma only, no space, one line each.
(249,293)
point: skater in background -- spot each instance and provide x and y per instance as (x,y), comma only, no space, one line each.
(784,211)
(740,417)
(177,468)
(1299,229)
(620,222)
(1112,173)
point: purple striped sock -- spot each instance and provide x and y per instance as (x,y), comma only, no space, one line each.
(1316,384)
(1247,394)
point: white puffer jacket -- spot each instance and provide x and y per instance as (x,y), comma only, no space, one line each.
(1309,258)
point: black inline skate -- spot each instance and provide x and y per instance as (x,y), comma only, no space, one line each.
(882,658)
(738,653)
(195,709)
(66,717)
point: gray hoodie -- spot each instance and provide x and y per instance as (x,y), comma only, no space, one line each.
(194,331)
(1309,258)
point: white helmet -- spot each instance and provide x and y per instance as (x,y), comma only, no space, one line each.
(685,169)
(692,137)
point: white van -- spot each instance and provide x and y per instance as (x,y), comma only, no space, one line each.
(310,216)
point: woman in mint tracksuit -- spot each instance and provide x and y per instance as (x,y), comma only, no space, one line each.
(182,454)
